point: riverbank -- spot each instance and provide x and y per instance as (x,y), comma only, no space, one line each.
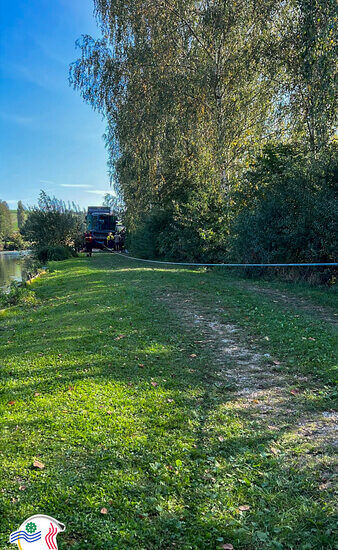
(169,408)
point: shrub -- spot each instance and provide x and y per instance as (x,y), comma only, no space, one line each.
(17,294)
(16,242)
(53,223)
(143,243)
(31,266)
(194,231)
(52,253)
(287,209)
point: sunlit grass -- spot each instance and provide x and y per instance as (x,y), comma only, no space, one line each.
(98,384)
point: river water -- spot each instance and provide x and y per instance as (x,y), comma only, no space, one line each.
(11,267)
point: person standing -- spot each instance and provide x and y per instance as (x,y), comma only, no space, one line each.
(122,239)
(110,240)
(117,242)
(89,243)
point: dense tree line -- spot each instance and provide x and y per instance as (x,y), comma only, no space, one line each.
(21,216)
(220,118)
(5,221)
(10,239)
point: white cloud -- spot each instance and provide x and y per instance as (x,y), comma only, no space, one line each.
(97,191)
(78,185)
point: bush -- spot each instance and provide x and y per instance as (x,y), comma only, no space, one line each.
(144,242)
(287,209)
(31,266)
(15,242)
(52,253)
(194,231)
(53,223)
(17,294)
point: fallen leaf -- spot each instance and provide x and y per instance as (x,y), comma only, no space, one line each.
(104,511)
(255,401)
(273,428)
(244,508)
(22,487)
(109,412)
(154,384)
(220,438)
(38,464)
(120,336)
(193,355)
(37,394)
(294,392)
(325,485)
(141,365)
(227,546)
(274,450)
(11,403)
(266,338)
(313,339)
(276,362)
(170,400)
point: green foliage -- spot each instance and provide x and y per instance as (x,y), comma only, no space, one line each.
(145,242)
(288,205)
(10,238)
(31,266)
(15,241)
(5,221)
(53,253)
(306,53)
(53,223)
(21,215)
(115,202)
(14,215)
(190,231)
(17,294)
(191,94)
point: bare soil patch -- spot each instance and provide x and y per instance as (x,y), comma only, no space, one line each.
(260,385)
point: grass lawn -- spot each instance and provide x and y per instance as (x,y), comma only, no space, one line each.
(121,383)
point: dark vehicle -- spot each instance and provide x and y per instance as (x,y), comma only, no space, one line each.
(101,221)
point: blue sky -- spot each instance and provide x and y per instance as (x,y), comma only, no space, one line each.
(49,138)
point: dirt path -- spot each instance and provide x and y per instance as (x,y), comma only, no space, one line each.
(260,386)
(299,303)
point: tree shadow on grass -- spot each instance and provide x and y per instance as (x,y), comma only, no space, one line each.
(110,439)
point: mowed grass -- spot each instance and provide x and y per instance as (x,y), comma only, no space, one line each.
(105,385)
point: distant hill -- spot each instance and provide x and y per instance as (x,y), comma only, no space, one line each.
(14,220)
